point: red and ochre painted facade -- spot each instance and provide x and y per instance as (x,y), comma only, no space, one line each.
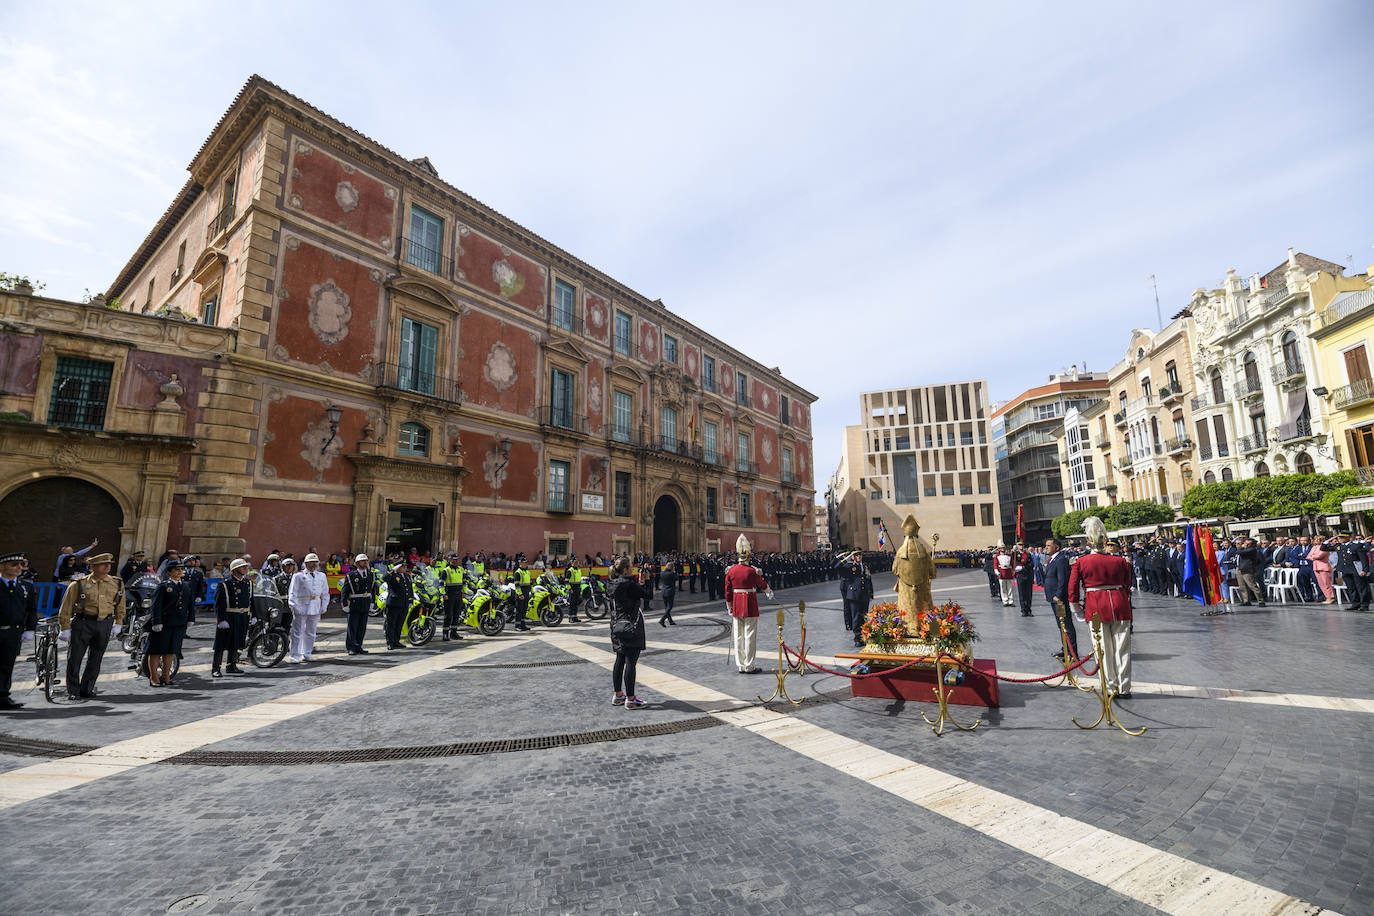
(291,239)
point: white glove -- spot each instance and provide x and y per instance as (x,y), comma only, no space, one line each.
(769,593)
(116,629)
(26,636)
(222,625)
(157,628)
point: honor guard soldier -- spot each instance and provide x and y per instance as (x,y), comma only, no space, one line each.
(400,592)
(742,584)
(358,595)
(233,610)
(451,574)
(93,609)
(133,567)
(1102,583)
(18,618)
(167,621)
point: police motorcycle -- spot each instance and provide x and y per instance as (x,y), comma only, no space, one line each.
(595,605)
(269,630)
(548,601)
(138,605)
(422,617)
(479,607)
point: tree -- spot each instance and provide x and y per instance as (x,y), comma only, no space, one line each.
(12,282)
(1071,523)
(1270,497)
(1137,512)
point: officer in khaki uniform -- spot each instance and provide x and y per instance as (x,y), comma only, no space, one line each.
(93,609)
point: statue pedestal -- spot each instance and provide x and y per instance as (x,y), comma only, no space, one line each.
(917,682)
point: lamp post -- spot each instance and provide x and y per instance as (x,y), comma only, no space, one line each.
(334,415)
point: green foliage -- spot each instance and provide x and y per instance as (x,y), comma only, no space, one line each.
(1270,497)
(14,416)
(1138,512)
(11,282)
(1071,523)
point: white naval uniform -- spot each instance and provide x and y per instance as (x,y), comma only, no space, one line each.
(308,598)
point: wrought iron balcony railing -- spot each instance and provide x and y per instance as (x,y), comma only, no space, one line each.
(1360,391)
(414,380)
(428,259)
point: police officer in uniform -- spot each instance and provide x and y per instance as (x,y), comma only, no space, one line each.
(168,618)
(18,617)
(194,577)
(574,580)
(400,592)
(233,609)
(93,609)
(854,593)
(357,596)
(133,567)
(451,574)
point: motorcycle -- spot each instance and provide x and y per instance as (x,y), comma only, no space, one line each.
(595,604)
(138,604)
(422,616)
(544,602)
(269,630)
(480,612)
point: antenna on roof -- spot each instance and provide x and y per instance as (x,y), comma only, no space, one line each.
(1159,315)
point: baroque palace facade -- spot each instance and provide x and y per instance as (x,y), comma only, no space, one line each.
(321,342)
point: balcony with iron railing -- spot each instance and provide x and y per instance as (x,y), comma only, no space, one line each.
(1103,442)
(1302,429)
(1347,306)
(743,400)
(220,222)
(1287,371)
(1365,475)
(623,435)
(789,478)
(558,418)
(1119,418)
(1170,393)
(1177,445)
(558,499)
(1360,391)
(1239,321)
(1206,401)
(745,466)
(562,321)
(1030,440)
(1124,463)
(1249,388)
(431,260)
(1249,444)
(416,381)
(672,445)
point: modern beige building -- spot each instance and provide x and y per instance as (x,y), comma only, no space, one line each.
(923,451)
(1147,439)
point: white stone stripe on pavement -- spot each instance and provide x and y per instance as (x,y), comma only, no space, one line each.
(1156,878)
(52,776)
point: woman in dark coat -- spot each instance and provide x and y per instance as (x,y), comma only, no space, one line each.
(170,613)
(627,631)
(667,581)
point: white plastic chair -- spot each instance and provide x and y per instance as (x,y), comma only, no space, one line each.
(1283,585)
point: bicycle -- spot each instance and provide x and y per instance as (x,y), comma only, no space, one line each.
(45,654)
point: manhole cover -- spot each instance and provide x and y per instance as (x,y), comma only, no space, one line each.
(186,904)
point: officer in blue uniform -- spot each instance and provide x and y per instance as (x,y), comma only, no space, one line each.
(18,615)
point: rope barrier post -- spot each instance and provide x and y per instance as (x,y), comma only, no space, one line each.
(1104,695)
(784,669)
(1065,649)
(799,667)
(942,697)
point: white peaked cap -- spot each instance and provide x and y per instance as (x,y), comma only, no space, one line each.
(742,546)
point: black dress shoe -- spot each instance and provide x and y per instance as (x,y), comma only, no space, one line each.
(7,703)
(1123,696)
(363,652)
(216,673)
(74,697)
(90,694)
(446,638)
(235,671)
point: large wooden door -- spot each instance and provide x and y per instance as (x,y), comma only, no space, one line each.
(42,517)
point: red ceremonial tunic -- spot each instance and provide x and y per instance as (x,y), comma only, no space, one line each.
(742,585)
(1008,571)
(1102,582)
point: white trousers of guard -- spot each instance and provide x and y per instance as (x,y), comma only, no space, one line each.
(1115,658)
(1008,591)
(746,633)
(303,634)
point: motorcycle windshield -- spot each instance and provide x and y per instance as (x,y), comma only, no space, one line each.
(265,586)
(144,585)
(428,587)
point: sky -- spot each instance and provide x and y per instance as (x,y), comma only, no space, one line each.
(866,195)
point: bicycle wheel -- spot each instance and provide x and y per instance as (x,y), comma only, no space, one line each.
(420,629)
(267,649)
(49,669)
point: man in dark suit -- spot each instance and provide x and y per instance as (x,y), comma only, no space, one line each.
(990,567)
(1057,592)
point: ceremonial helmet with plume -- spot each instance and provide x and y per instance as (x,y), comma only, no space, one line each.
(742,546)
(1096,532)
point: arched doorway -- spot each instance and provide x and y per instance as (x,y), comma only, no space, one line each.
(58,512)
(667,525)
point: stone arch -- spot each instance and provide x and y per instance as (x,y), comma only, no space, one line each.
(62,509)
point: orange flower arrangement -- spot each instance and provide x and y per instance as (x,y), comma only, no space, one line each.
(946,628)
(884,624)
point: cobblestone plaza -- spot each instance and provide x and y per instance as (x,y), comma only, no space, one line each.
(493,775)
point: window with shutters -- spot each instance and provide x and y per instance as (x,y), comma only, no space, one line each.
(80,392)
(560,398)
(710,505)
(708,373)
(564,304)
(418,353)
(623,338)
(622,416)
(414,440)
(1356,364)
(1218,388)
(558,487)
(670,349)
(622,494)
(426,240)
(668,428)
(710,436)
(970,514)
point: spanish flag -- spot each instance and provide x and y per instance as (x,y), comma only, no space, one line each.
(692,428)
(882,535)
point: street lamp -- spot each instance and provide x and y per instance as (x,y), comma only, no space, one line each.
(333,415)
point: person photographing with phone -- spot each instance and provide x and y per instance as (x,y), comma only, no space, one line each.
(627,630)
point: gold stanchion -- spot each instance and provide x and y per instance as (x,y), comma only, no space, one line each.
(784,669)
(799,666)
(942,697)
(1069,677)
(1104,695)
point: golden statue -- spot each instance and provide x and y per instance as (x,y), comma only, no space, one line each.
(915,568)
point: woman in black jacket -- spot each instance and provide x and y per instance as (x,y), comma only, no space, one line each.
(667,581)
(627,632)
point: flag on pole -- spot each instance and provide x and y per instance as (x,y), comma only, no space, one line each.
(692,428)
(1201,569)
(1021,523)
(882,535)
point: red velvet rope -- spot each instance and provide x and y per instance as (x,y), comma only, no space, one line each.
(796,658)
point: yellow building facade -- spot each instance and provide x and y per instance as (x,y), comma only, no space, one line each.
(1342,332)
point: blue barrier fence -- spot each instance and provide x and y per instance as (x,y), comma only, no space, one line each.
(50,596)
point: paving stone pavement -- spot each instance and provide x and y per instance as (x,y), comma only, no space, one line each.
(718,820)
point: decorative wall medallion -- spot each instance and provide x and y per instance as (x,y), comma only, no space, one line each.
(596,317)
(499,368)
(346,196)
(507,278)
(375,276)
(494,468)
(766,448)
(594,396)
(296,201)
(292,243)
(66,456)
(316,454)
(303,148)
(689,362)
(649,344)
(390,193)
(329,312)
(767,398)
